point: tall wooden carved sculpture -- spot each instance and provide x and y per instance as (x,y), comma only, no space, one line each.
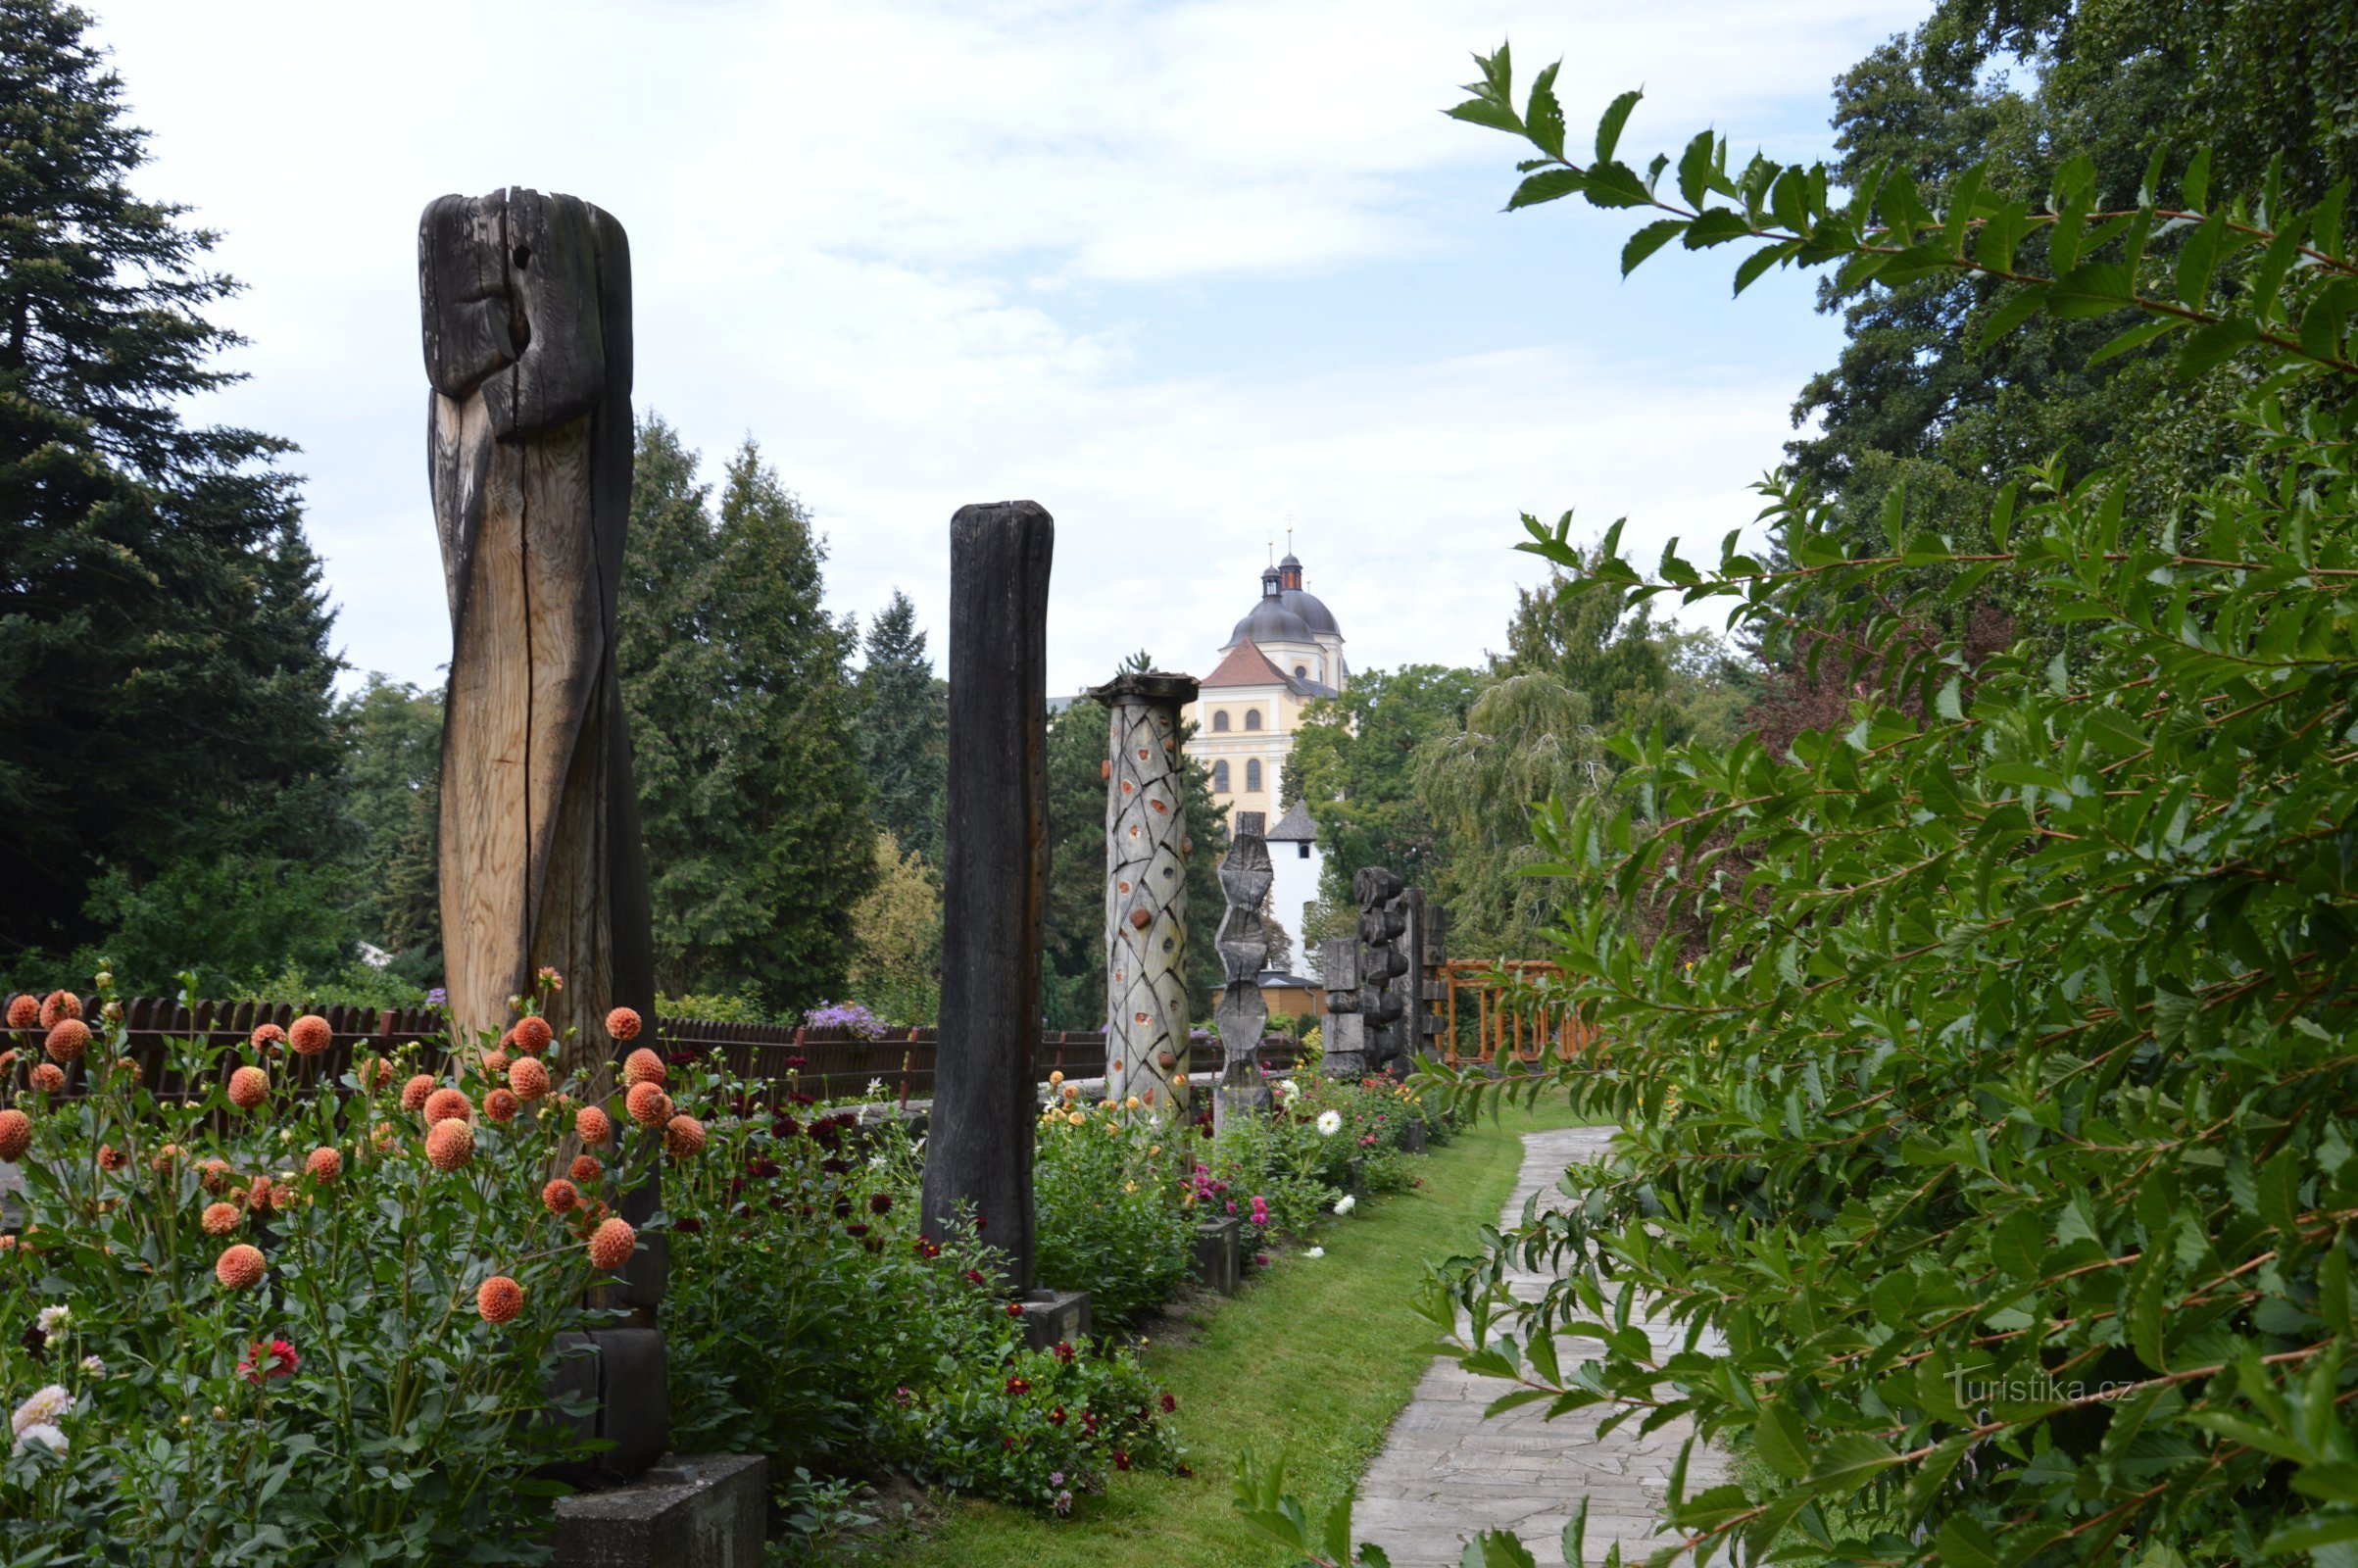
(1146,891)
(526,306)
(978,1155)
(1243,943)
(1344,1053)
(526,302)
(1382,922)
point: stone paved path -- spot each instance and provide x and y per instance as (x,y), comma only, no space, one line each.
(1446,1474)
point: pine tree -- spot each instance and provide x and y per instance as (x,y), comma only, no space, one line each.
(393,738)
(904,732)
(165,672)
(735,679)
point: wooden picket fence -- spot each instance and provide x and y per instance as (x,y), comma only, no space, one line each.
(825,1064)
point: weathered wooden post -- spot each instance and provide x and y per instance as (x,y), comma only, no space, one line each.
(1146,891)
(1243,943)
(526,307)
(978,1150)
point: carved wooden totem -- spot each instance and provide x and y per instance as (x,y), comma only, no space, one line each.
(1243,943)
(1345,1033)
(527,304)
(1146,891)
(1382,1004)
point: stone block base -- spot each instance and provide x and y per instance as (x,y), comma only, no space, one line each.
(1052,1315)
(1412,1135)
(697,1511)
(1219,1263)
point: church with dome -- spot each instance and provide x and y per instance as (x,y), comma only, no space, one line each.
(1285,653)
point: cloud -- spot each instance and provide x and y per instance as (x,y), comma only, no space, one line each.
(931,254)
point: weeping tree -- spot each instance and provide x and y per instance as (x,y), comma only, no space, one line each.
(1527,740)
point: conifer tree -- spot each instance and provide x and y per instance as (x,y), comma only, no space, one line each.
(904,732)
(737,685)
(164,663)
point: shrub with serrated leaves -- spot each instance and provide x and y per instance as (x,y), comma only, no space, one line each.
(1998,1130)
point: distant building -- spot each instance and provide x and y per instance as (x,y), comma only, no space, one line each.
(1286,652)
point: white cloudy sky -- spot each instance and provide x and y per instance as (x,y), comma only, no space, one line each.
(1177,271)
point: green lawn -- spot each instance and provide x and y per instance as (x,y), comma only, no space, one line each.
(1313,1360)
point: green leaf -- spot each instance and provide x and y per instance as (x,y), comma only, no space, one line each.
(2014,310)
(2197,182)
(1487,111)
(1782,1439)
(1546,185)
(1696,168)
(1849,1462)
(2196,258)
(1647,240)
(1608,128)
(2137,337)
(1544,119)
(2204,348)
(1963,1544)
(2311,1531)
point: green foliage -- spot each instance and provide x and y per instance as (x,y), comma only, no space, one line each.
(238,921)
(741,708)
(1107,1186)
(393,790)
(1992,1126)
(897,970)
(1354,762)
(164,661)
(904,731)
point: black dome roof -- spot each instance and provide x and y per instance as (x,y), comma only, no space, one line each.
(1272,620)
(1311,608)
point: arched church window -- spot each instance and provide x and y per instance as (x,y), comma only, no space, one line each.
(1253,777)
(1253,718)
(1219,773)
(1219,720)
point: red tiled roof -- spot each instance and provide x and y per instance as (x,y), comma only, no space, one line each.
(1246,666)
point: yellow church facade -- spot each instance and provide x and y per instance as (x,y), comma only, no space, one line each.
(1285,653)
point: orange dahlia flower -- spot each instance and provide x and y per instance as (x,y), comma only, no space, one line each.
(49,1078)
(450,1145)
(623,1023)
(249,1087)
(310,1035)
(448,1105)
(644,1067)
(586,1169)
(24,1012)
(240,1268)
(612,1243)
(649,1105)
(413,1093)
(593,1126)
(16,1133)
(560,1197)
(325,1163)
(528,1078)
(267,1037)
(532,1034)
(498,1298)
(68,1039)
(220,1219)
(501,1105)
(59,1005)
(683,1137)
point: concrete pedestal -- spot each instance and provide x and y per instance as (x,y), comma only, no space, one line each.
(699,1512)
(1219,1263)
(1050,1316)
(1412,1135)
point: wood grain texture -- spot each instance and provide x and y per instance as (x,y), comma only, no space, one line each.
(525,309)
(1241,1014)
(1146,892)
(978,1155)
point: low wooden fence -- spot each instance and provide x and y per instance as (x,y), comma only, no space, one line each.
(1497,1011)
(825,1064)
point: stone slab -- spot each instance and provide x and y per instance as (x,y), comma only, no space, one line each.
(1219,1260)
(697,1511)
(1050,1316)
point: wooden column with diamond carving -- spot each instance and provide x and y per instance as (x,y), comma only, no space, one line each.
(1146,891)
